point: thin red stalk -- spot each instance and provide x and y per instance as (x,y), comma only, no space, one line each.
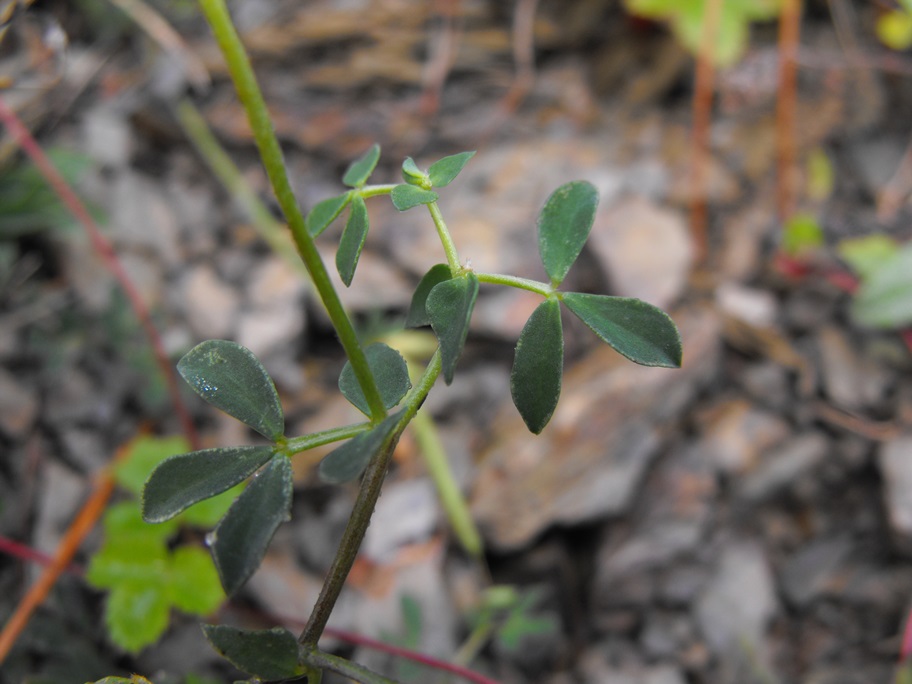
(789,31)
(18,550)
(108,256)
(905,649)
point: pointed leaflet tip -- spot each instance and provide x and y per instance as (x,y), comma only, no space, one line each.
(449,308)
(361,169)
(564,225)
(352,241)
(535,382)
(444,171)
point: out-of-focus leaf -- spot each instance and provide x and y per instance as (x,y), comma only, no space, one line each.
(193,584)
(390,371)
(352,241)
(564,225)
(535,382)
(894,29)
(417,313)
(136,614)
(444,171)
(361,169)
(408,196)
(144,454)
(268,654)
(449,307)
(867,255)
(802,233)
(325,212)
(884,299)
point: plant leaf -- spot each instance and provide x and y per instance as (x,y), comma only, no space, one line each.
(443,171)
(193,584)
(564,225)
(268,653)
(325,212)
(144,454)
(360,170)
(232,379)
(352,241)
(867,255)
(390,371)
(408,196)
(136,614)
(538,365)
(240,540)
(417,313)
(412,175)
(182,480)
(884,299)
(642,332)
(346,462)
(449,308)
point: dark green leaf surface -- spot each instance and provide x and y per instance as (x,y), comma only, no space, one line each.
(564,225)
(361,169)
(182,480)
(232,379)
(642,332)
(449,308)
(240,540)
(268,653)
(325,212)
(407,196)
(390,371)
(412,174)
(538,365)
(352,241)
(417,313)
(884,299)
(348,461)
(443,171)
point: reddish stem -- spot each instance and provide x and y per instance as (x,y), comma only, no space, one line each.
(19,550)
(108,256)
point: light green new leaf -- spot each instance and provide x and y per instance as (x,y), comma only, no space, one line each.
(390,371)
(325,212)
(538,365)
(361,169)
(564,225)
(352,241)
(348,461)
(443,171)
(412,175)
(884,299)
(408,196)
(867,255)
(182,480)
(449,308)
(144,454)
(642,332)
(136,614)
(268,653)
(232,379)
(417,313)
(193,584)
(240,540)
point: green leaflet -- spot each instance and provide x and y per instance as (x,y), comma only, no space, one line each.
(232,379)
(417,313)
(348,461)
(444,171)
(408,196)
(868,255)
(361,169)
(240,541)
(412,175)
(193,585)
(352,241)
(884,299)
(449,308)
(563,227)
(180,481)
(325,212)
(535,382)
(268,653)
(642,332)
(390,371)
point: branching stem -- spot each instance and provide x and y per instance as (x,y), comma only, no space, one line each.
(544,289)
(449,247)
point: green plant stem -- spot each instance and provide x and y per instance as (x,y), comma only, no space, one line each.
(476,640)
(296,445)
(454,505)
(375,190)
(346,668)
(251,98)
(368,493)
(543,289)
(449,247)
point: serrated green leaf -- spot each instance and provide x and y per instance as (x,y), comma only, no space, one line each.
(144,454)
(361,169)
(231,378)
(193,583)
(181,481)
(412,175)
(408,196)
(346,462)
(867,255)
(136,615)
(538,365)
(443,171)
(417,313)
(449,308)
(325,212)
(642,332)
(390,371)
(564,225)
(884,299)
(268,654)
(240,540)
(352,241)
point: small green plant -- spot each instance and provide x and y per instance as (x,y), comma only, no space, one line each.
(884,269)
(375,378)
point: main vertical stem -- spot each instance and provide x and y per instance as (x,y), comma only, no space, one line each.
(251,98)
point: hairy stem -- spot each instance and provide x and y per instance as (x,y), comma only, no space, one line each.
(251,98)
(298,444)
(449,247)
(543,289)
(369,492)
